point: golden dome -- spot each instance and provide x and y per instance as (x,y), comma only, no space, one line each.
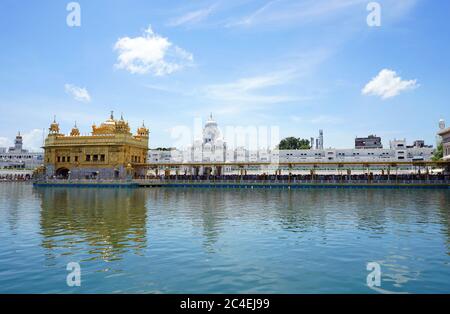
(75,131)
(111,126)
(54,127)
(143,131)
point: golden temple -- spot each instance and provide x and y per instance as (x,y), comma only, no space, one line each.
(110,152)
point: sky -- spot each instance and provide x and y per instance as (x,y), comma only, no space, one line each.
(298,65)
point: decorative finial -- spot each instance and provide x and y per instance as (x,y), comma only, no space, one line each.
(112,115)
(121,116)
(75,124)
(143,124)
(54,119)
(210,116)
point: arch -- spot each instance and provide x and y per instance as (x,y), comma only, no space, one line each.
(62,173)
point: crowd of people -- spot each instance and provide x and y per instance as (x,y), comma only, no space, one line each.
(15,177)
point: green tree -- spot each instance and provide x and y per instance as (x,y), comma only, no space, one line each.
(294,143)
(438,153)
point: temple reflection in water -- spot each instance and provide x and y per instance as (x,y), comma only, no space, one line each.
(114,221)
(222,240)
(109,223)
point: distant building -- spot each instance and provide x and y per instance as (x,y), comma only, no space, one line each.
(372,141)
(445,135)
(18,158)
(441,128)
(419,144)
(110,152)
(213,148)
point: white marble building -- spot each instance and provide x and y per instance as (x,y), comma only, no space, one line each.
(213,148)
(17,162)
(18,158)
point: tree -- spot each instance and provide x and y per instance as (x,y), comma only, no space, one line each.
(294,143)
(438,153)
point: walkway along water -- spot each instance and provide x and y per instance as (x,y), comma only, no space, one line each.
(261,181)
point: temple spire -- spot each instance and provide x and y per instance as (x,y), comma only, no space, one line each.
(112,115)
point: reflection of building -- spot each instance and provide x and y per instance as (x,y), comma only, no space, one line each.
(109,222)
(17,158)
(110,152)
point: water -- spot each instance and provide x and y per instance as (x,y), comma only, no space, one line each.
(208,241)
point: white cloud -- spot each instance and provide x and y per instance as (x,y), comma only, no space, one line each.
(192,17)
(78,93)
(388,84)
(5,142)
(245,90)
(278,11)
(272,87)
(320,119)
(288,12)
(32,140)
(150,53)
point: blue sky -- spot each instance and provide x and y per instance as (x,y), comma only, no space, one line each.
(300,65)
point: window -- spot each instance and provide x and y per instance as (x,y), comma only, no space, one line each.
(88,157)
(68,159)
(95,157)
(59,159)
(76,158)
(102,157)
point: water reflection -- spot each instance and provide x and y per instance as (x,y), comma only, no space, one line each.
(224,240)
(444,211)
(105,223)
(113,221)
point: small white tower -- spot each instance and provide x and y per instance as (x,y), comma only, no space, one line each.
(18,143)
(320,139)
(441,127)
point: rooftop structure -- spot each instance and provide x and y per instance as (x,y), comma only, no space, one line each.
(372,141)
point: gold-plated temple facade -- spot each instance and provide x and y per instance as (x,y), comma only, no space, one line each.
(109,152)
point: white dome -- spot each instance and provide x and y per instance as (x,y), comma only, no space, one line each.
(211,132)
